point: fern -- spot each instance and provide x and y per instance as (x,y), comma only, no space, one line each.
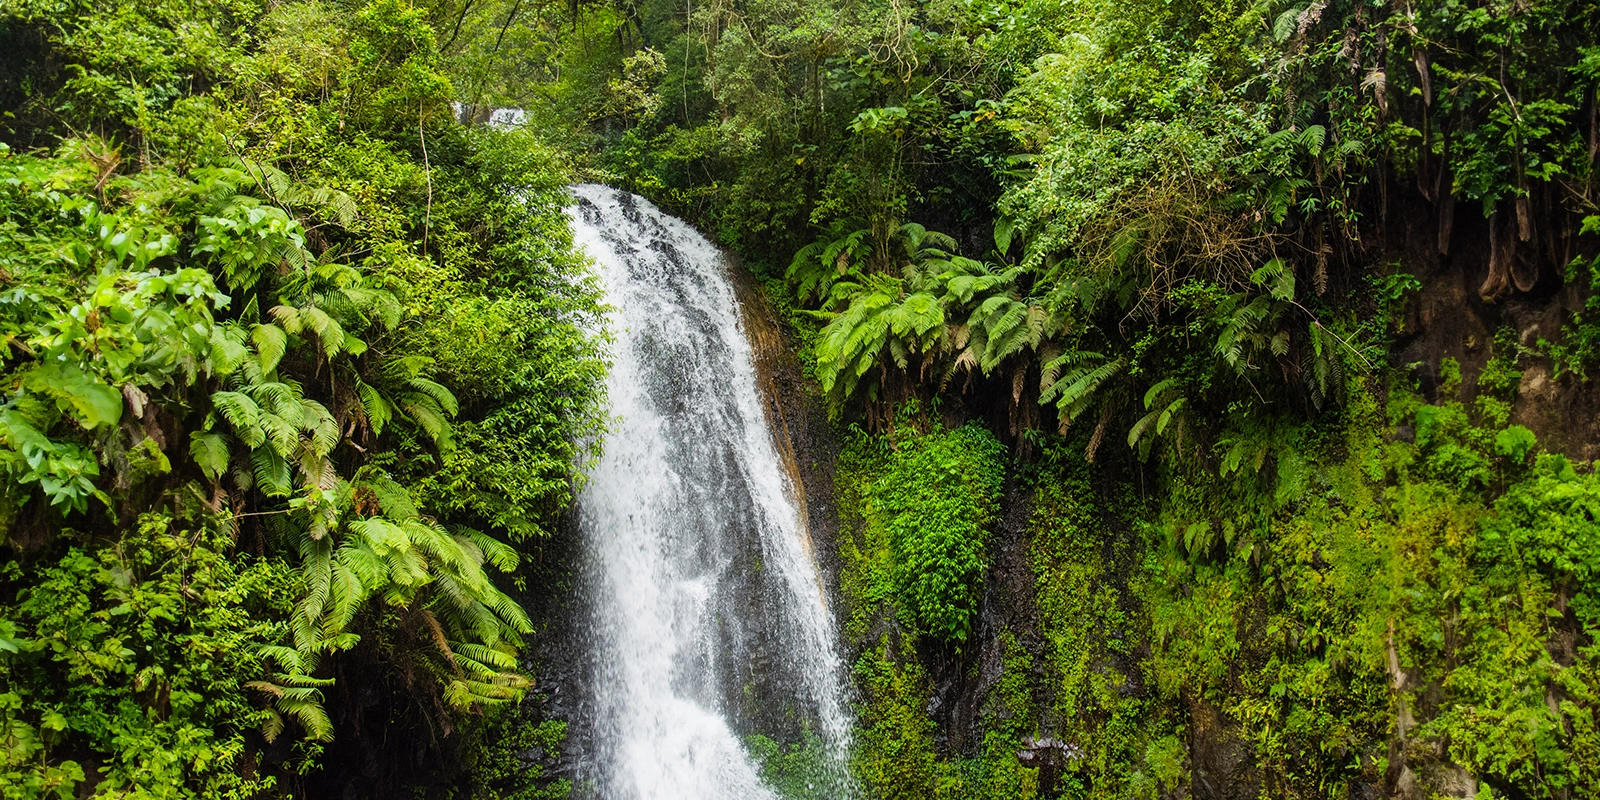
(271,472)
(441,396)
(271,342)
(227,350)
(1083,373)
(1163,405)
(377,410)
(210,454)
(243,415)
(324,430)
(497,553)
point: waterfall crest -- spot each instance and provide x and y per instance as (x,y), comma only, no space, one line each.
(710,622)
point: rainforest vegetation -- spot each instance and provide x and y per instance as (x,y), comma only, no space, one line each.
(1211,379)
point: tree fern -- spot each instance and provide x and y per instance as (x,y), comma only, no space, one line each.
(1082,375)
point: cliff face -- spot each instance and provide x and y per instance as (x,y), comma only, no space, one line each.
(1464,311)
(807,441)
(1065,630)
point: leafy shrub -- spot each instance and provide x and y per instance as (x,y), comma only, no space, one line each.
(137,652)
(936,499)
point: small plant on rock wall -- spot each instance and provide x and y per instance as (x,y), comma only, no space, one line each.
(937,501)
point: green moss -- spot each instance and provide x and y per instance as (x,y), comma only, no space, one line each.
(1094,626)
(799,771)
(917,508)
(1345,584)
(508,756)
(923,504)
(894,757)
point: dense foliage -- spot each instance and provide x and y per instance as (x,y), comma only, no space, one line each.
(296,369)
(1183,243)
(298,366)
(928,500)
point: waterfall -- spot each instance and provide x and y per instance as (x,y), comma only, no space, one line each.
(710,623)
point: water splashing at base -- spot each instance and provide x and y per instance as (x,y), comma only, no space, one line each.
(709,616)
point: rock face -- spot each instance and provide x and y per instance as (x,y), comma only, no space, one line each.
(806,439)
(1452,318)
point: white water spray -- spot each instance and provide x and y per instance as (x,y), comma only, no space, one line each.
(708,605)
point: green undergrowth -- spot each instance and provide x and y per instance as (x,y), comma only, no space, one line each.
(918,506)
(511,755)
(802,770)
(1402,592)
(1093,628)
(295,372)
(132,654)
(926,502)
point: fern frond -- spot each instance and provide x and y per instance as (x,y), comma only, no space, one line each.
(425,411)
(497,553)
(446,400)
(377,409)
(210,454)
(227,350)
(328,330)
(288,318)
(271,342)
(271,472)
(323,427)
(242,414)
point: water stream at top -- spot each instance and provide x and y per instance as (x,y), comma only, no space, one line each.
(710,622)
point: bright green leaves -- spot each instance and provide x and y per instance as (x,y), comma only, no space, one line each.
(25,771)
(889,121)
(243,414)
(1515,443)
(1550,520)
(271,343)
(1005,229)
(837,257)
(90,402)
(133,329)
(1455,450)
(316,322)
(280,427)
(245,237)
(92,338)
(405,391)
(935,500)
(1163,404)
(138,326)
(139,651)
(65,471)
(942,315)
(293,694)
(384,549)
(397,62)
(855,339)
(1075,377)
(302,163)
(210,453)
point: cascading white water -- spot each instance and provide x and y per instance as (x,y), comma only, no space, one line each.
(703,587)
